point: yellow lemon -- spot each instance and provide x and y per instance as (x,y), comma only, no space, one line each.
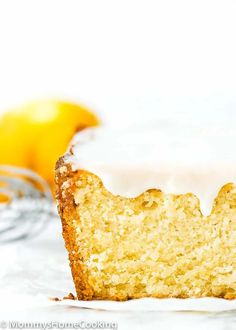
(36,135)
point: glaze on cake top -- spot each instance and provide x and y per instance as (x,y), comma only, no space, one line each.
(175,158)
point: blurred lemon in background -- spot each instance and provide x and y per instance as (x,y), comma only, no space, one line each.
(36,135)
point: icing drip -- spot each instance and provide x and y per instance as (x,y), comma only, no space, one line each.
(178,160)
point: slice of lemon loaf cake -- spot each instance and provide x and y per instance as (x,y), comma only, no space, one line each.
(149,214)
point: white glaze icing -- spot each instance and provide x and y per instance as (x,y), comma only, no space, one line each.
(174,158)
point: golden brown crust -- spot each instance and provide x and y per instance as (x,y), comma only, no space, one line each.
(66,209)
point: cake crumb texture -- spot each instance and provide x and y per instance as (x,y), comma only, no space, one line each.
(154,245)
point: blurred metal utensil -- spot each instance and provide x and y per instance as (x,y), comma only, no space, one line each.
(26,203)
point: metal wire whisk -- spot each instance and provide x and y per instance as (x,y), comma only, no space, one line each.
(26,203)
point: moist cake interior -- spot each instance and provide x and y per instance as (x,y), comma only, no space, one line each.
(156,244)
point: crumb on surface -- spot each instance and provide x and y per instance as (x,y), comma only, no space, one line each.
(70,296)
(55,299)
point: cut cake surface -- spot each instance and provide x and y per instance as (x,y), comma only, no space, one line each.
(156,244)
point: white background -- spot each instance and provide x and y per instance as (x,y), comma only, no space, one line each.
(121,57)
